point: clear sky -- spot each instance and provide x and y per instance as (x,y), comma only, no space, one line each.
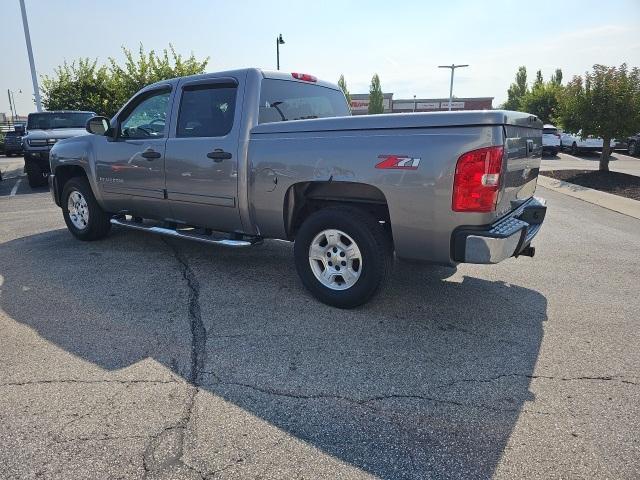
(403,41)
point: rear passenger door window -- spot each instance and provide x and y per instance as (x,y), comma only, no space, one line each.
(206,111)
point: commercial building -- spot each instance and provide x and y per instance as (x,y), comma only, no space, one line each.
(360,104)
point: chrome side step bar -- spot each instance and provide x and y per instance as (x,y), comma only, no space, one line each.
(225,242)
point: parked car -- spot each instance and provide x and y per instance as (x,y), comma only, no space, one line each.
(44,129)
(253,155)
(633,145)
(575,143)
(550,139)
(620,144)
(12,143)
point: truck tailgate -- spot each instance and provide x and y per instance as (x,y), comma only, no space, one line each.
(523,150)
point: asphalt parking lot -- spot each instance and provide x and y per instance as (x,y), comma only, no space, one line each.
(142,357)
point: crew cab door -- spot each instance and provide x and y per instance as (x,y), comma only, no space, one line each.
(130,166)
(202,154)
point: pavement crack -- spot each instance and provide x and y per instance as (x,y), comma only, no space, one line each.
(367,401)
(82,382)
(166,449)
(198,332)
(604,378)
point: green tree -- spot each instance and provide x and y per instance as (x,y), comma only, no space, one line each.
(556,78)
(605,103)
(148,68)
(376,98)
(542,101)
(84,85)
(517,90)
(343,86)
(539,80)
(79,85)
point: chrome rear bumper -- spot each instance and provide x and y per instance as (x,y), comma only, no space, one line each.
(508,237)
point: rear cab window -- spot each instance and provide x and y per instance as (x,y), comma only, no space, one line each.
(550,130)
(284,100)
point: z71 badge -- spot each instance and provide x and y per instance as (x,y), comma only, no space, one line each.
(398,162)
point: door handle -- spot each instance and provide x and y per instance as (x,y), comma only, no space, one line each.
(150,154)
(218,155)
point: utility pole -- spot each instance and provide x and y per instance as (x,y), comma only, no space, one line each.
(452,67)
(34,77)
(279,41)
(13,100)
(414,104)
(11,108)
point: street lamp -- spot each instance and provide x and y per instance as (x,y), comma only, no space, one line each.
(279,41)
(452,67)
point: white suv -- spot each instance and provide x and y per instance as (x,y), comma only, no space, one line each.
(550,139)
(575,143)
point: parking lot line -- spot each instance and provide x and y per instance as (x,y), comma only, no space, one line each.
(15,188)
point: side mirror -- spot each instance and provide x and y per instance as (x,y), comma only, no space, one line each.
(98,125)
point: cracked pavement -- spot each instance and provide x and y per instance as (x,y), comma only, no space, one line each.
(142,357)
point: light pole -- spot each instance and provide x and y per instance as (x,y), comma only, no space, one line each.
(27,37)
(12,104)
(452,67)
(279,41)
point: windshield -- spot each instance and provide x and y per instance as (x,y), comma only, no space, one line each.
(282,100)
(549,130)
(48,120)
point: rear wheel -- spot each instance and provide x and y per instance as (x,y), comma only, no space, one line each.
(633,148)
(85,219)
(35,175)
(342,255)
(574,148)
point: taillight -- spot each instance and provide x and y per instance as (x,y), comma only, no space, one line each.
(304,77)
(477,180)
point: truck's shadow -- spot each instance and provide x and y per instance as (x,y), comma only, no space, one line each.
(428,380)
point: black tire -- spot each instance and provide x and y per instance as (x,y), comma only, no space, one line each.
(372,241)
(633,149)
(98,224)
(574,149)
(35,175)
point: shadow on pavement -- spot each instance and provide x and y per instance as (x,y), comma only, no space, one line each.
(427,380)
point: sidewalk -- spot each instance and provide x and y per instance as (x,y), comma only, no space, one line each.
(609,201)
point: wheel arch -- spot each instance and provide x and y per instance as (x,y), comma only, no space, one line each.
(62,174)
(304,198)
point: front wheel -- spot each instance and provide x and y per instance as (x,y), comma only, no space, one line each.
(342,256)
(633,149)
(574,149)
(85,219)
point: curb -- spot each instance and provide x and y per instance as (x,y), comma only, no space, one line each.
(626,206)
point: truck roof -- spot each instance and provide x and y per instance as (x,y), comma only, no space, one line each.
(277,75)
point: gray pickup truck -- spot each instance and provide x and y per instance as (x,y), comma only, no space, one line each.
(236,157)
